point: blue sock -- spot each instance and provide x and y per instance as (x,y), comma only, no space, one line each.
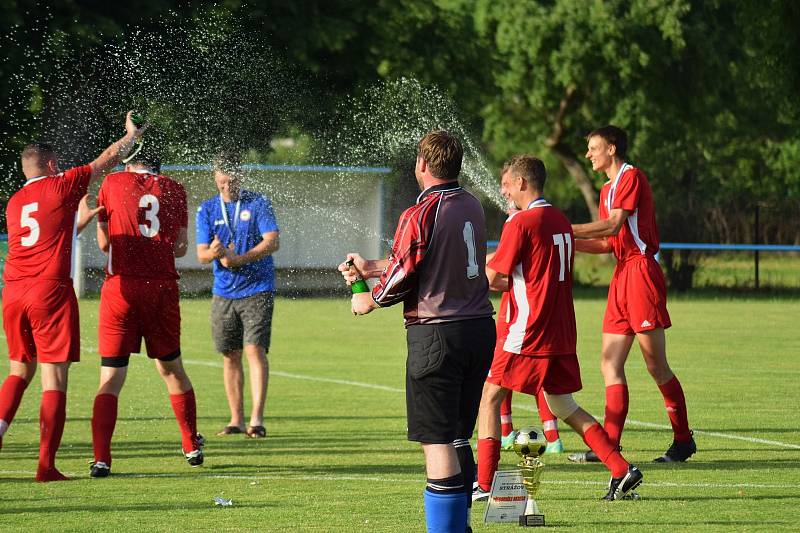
(445,512)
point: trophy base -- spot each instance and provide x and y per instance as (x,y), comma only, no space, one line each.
(531,520)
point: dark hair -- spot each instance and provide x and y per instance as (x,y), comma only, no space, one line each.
(39,150)
(613,135)
(443,153)
(152,151)
(530,168)
(227,162)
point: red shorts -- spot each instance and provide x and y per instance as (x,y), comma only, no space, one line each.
(637,298)
(133,308)
(557,374)
(40,318)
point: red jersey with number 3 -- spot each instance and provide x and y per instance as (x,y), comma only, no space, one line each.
(145,213)
(631,191)
(41,225)
(536,253)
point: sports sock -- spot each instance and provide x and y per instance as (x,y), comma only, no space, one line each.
(467,462)
(598,440)
(10,396)
(185,408)
(675,403)
(616,411)
(549,423)
(506,423)
(52,414)
(445,505)
(104,419)
(488,459)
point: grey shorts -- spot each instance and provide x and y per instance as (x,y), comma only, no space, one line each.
(240,321)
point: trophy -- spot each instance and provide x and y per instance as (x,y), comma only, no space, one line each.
(530,444)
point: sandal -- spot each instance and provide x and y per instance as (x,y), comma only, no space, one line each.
(230,430)
(256,432)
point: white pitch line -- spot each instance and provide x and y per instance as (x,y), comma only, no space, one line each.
(696,431)
(269,477)
(522,407)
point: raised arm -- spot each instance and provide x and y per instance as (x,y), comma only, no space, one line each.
(116,151)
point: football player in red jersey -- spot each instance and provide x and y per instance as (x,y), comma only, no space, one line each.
(40,311)
(637,295)
(143,230)
(533,263)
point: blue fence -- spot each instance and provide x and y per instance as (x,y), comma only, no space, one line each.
(708,247)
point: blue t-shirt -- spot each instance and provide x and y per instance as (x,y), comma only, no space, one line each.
(255,217)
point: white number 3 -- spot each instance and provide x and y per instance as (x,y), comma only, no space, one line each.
(27,221)
(150,204)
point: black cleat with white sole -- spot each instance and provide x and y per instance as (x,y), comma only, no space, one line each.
(678,452)
(99,469)
(619,487)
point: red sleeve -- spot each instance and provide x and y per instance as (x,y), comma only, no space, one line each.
(508,252)
(76,182)
(626,195)
(102,216)
(410,244)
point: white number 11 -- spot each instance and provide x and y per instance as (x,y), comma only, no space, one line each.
(559,239)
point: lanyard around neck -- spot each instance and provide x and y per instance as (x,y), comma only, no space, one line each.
(235,213)
(613,189)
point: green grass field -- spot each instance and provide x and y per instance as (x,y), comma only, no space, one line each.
(336,458)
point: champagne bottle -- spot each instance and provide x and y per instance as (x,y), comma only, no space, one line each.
(359,285)
(138,121)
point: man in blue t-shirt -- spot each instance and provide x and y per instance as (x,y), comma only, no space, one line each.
(237,231)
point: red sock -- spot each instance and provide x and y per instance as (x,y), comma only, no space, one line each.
(488,459)
(675,403)
(506,423)
(104,419)
(185,409)
(549,422)
(600,443)
(52,415)
(10,396)
(616,411)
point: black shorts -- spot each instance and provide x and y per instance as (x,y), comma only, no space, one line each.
(239,321)
(446,367)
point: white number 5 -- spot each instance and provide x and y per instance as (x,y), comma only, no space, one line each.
(472,263)
(150,204)
(27,221)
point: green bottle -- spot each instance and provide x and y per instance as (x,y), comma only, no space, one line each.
(138,144)
(137,119)
(359,285)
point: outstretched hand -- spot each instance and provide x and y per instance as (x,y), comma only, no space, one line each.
(85,212)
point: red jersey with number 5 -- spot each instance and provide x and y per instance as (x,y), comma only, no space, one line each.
(536,253)
(145,213)
(41,225)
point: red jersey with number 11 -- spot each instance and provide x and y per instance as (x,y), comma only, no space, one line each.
(536,253)
(145,213)
(41,225)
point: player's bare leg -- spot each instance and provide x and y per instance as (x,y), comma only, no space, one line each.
(233,378)
(488,437)
(445,498)
(615,350)
(258,366)
(19,377)
(184,405)
(52,416)
(653,345)
(104,415)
